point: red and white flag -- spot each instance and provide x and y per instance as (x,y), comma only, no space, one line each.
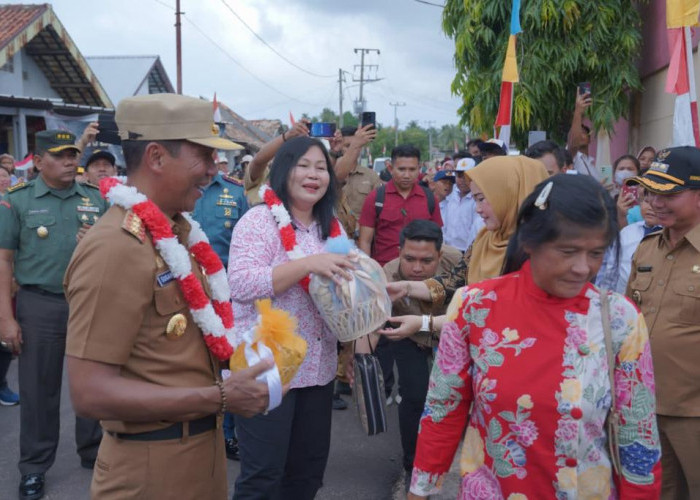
(28,162)
(509,78)
(217,111)
(680,15)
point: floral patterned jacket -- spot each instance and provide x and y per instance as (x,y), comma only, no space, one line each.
(533,370)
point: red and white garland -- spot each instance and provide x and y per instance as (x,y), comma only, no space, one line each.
(215,318)
(287,233)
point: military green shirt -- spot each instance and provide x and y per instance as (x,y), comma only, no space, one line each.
(40,224)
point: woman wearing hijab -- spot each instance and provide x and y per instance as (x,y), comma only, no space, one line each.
(499,185)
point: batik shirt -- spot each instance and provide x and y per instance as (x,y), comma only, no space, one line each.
(526,374)
(256,249)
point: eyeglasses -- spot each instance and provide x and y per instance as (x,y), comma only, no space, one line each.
(649,196)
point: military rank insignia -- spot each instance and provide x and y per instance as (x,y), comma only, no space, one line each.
(226,200)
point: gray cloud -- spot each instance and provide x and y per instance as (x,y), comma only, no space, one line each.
(415,60)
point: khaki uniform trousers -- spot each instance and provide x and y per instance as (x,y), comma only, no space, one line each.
(680,457)
(193,467)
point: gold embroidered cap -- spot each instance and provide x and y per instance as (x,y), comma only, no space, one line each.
(55,141)
(162,117)
(673,170)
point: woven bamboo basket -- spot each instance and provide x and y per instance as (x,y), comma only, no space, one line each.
(357,307)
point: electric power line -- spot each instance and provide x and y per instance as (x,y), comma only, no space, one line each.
(271,47)
(442,6)
(233,59)
(164,4)
(204,34)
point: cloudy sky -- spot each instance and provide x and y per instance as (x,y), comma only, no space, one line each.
(221,55)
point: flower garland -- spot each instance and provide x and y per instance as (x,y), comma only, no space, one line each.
(215,318)
(287,233)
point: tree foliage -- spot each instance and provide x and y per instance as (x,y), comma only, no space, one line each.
(563,42)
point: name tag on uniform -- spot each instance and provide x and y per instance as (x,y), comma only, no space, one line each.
(644,269)
(223,202)
(38,211)
(85,208)
(165,278)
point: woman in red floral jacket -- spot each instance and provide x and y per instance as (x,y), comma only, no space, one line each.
(522,365)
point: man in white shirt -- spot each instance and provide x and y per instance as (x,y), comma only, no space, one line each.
(460,220)
(614,273)
(580,137)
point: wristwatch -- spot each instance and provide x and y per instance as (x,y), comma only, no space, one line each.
(336,155)
(425,323)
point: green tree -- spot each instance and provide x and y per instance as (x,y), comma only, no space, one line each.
(448,136)
(563,42)
(414,134)
(328,116)
(383,142)
(350,120)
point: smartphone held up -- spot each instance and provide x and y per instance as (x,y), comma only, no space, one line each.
(368,118)
(321,129)
(630,191)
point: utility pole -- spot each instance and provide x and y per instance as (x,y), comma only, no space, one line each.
(396,121)
(430,123)
(178,46)
(360,106)
(340,96)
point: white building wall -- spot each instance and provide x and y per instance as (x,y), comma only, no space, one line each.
(11,81)
(655,127)
(26,79)
(36,84)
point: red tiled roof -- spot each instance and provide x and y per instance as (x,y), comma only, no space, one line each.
(36,30)
(15,18)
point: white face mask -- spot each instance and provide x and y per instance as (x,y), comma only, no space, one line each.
(622,175)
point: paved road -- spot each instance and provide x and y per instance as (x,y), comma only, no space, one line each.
(359,467)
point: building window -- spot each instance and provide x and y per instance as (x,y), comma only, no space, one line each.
(9,66)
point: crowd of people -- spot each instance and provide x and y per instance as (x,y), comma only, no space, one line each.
(545,315)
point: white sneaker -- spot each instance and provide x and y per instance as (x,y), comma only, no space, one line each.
(398,399)
(389,400)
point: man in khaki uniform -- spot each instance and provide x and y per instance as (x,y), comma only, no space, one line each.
(360,180)
(422,256)
(665,283)
(136,359)
(257,171)
(41,223)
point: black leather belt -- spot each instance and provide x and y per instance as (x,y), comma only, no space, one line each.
(41,291)
(175,431)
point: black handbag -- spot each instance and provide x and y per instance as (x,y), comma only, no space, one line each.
(369,393)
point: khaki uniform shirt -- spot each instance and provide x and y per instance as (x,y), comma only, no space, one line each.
(359,183)
(122,299)
(415,307)
(251,188)
(665,284)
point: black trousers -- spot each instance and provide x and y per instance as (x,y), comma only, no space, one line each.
(412,363)
(43,319)
(5,359)
(284,453)
(385,354)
